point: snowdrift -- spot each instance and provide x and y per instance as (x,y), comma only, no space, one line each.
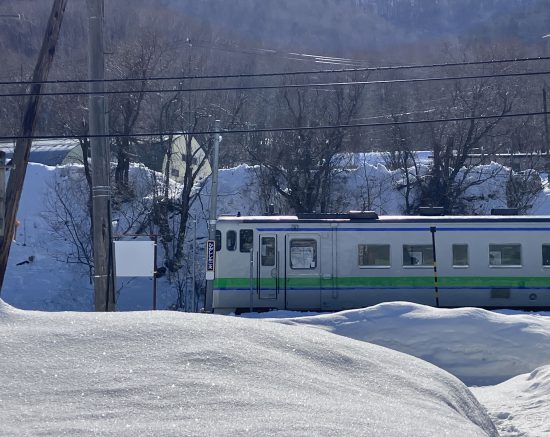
(168,373)
(520,406)
(479,347)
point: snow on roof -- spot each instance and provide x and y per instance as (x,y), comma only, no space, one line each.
(170,373)
(44,145)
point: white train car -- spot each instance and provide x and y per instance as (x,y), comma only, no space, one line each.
(342,261)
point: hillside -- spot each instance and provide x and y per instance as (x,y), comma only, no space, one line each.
(353,26)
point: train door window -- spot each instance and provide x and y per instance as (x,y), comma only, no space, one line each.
(546,255)
(231,240)
(218,241)
(505,255)
(460,255)
(246,238)
(374,255)
(268,251)
(303,254)
(418,255)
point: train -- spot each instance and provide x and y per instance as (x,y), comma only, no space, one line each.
(333,262)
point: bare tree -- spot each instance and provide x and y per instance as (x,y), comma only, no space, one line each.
(138,61)
(187,113)
(68,215)
(301,165)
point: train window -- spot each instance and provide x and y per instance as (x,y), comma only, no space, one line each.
(418,255)
(268,251)
(460,255)
(546,255)
(231,240)
(505,255)
(246,238)
(303,254)
(218,241)
(374,255)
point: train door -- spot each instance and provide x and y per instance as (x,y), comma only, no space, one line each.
(303,272)
(268,267)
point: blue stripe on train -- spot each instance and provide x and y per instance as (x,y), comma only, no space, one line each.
(384,288)
(427,229)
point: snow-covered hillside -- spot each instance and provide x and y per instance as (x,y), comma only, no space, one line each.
(42,276)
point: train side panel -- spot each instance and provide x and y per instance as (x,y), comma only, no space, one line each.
(337,265)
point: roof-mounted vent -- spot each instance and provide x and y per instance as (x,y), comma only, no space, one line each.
(363,215)
(321,216)
(431,210)
(505,211)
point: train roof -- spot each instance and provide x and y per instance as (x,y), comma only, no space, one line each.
(374,218)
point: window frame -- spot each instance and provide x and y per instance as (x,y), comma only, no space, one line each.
(419,266)
(543,245)
(266,256)
(251,242)
(235,244)
(315,254)
(460,266)
(505,266)
(373,266)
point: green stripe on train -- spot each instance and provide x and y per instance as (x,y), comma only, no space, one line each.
(399,281)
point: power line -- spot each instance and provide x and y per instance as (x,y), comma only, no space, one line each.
(293,73)
(281,129)
(283,86)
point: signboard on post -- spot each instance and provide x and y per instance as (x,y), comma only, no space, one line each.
(210,259)
(135,258)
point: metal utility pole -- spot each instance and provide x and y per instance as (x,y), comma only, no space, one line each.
(213,211)
(23,146)
(101,185)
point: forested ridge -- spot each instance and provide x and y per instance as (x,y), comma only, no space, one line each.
(163,38)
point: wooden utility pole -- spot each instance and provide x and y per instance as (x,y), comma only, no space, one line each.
(23,146)
(101,157)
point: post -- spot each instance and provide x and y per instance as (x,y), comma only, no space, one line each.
(436,285)
(545,107)
(101,184)
(250,281)
(155,275)
(23,146)
(2,190)
(208,300)
(193,270)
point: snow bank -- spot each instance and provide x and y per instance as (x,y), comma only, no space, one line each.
(520,406)
(480,347)
(36,277)
(167,373)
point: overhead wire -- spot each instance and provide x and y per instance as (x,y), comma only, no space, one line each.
(280,129)
(280,74)
(281,86)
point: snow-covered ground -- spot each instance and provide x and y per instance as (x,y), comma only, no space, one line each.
(293,374)
(169,373)
(480,347)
